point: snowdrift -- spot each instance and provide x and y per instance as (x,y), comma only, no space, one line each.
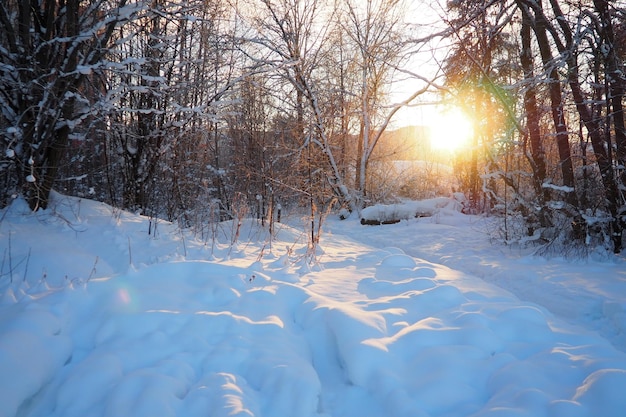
(98,318)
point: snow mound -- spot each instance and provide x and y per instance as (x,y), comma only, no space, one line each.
(383,213)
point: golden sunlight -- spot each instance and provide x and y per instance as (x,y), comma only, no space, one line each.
(450,130)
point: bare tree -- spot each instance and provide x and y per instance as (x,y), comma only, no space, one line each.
(335,91)
(378,36)
(294,38)
(49,48)
(168,94)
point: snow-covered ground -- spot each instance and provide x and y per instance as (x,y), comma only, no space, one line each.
(421,318)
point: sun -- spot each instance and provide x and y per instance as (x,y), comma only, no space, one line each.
(450,130)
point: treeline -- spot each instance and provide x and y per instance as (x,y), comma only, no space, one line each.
(201,110)
(188,109)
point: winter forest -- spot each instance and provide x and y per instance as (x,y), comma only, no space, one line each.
(199,111)
(312,208)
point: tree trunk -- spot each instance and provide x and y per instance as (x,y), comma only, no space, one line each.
(533,133)
(558,115)
(616,81)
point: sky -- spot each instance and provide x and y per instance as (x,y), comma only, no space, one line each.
(425,61)
(431,316)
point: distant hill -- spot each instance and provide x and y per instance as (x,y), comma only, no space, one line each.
(405,144)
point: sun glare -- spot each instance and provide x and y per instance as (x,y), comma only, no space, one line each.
(450,130)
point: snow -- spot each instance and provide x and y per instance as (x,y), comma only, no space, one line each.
(563,188)
(425,317)
(410,209)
